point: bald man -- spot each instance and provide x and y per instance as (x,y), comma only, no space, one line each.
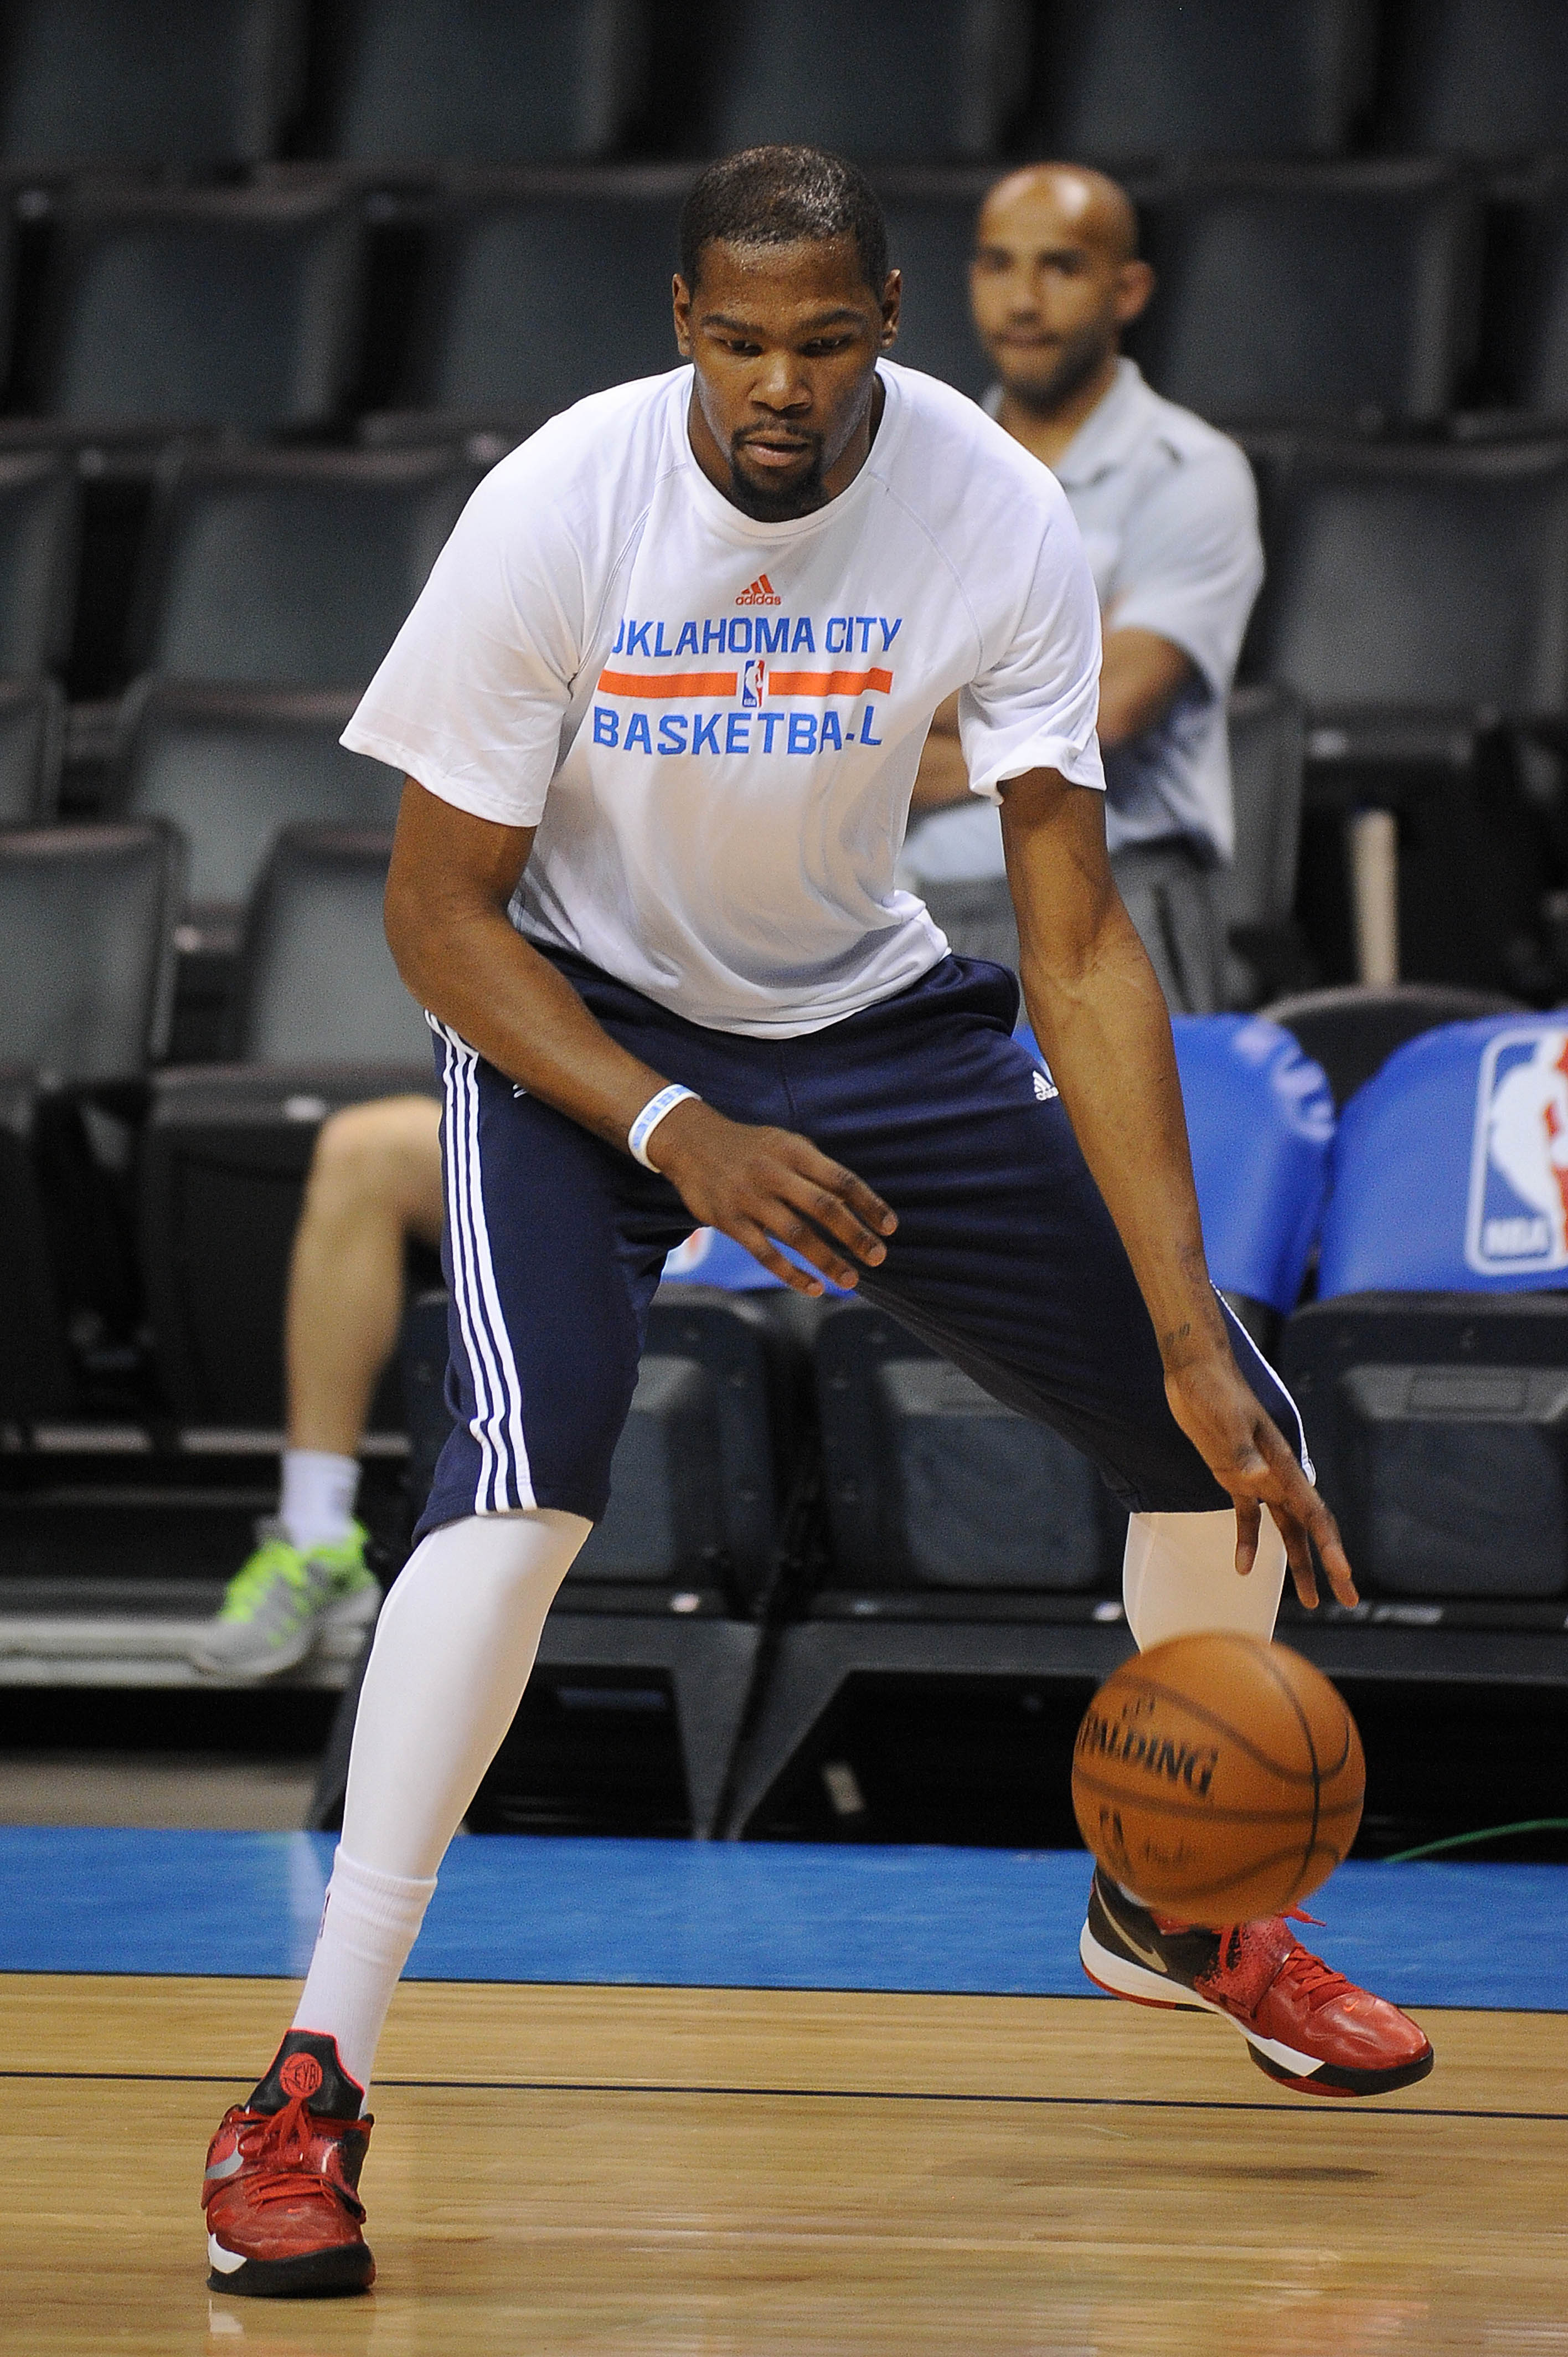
(1169,513)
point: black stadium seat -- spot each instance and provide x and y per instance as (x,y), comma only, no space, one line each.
(1426,579)
(1477,77)
(1527,344)
(324,1021)
(232,766)
(930,237)
(913,80)
(39,525)
(166,308)
(536,297)
(87,921)
(1342,295)
(1257,891)
(1117,80)
(32,732)
(1351,1032)
(291,566)
(485,82)
(317,982)
(195,84)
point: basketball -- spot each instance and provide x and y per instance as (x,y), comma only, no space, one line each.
(1218,1778)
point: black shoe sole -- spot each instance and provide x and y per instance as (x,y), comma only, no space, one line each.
(1330,2080)
(322,2274)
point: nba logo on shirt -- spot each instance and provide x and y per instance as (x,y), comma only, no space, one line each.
(1517,1222)
(754,683)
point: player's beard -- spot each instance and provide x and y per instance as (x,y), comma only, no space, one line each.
(766,505)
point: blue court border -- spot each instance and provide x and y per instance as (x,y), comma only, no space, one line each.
(722,1915)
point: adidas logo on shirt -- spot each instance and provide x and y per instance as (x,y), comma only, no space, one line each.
(762,593)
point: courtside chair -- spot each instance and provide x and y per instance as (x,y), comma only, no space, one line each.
(87,918)
(230,308)
(484,82)
(184,85)
(1342,296)
(1119,80)
(1482,78)
(1432,1369)
(502,334)
(32,733)
(323,1021)
(291,567)
(967,1540)
(925,82)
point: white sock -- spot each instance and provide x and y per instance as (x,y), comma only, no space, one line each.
(454,1647)
(317,1504)
(1179,1575)
(369,1924)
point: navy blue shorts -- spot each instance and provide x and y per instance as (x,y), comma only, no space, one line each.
(1005,1257)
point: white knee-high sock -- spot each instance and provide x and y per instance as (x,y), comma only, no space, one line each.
(455,1644)
(1178,1575)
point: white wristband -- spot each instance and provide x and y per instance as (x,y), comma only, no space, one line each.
(649,1119)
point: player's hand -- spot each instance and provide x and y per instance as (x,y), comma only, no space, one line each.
(1248,1456)
(758,1185)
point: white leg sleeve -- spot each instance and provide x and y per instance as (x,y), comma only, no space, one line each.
(1178,1575)
(454,1647)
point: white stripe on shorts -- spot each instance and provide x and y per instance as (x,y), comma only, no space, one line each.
(505,1483)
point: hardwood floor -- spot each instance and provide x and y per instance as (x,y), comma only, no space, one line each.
(630,2172)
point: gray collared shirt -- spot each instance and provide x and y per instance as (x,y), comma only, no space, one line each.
(1169,517)
(1169,513)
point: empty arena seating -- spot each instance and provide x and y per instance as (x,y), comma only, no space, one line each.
(1122,79)
(40,521)
(197,84)
(508,327)
(1257,891)
(930,235)
(947,76)
(231,766)
(170,307)
(294,567)
(1430,1370)
(323,1021)
(471,81)
(1422,579)
(32,722)
(1482,78)
(86,968)
(1335,296)
(1528,339)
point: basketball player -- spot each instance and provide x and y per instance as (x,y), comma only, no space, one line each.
(660,706)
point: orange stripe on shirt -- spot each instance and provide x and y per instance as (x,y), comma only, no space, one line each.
(667,683)
(828,683)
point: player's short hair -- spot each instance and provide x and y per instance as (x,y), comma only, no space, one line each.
(784,196)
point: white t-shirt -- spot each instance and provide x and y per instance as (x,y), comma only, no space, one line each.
(715,723)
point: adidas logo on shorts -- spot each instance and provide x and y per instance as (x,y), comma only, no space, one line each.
(1044,1088)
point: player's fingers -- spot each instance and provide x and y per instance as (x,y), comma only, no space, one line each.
(1330,1547)
(1298,1504)
(1298,1555)
(761,1247)
(790,1228)
(832,1213)
(844,1190)
(1248,1521)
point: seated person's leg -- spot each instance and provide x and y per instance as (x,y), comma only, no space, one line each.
(374,1185)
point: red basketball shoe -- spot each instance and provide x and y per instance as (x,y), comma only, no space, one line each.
(283,2172)
(1306,2026)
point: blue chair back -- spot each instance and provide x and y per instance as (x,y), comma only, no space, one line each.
(1451,1166)
(1260,1115)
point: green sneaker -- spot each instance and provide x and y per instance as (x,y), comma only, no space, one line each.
(279,1601)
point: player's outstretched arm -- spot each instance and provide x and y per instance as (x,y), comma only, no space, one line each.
(1099,1015)
(452,878)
